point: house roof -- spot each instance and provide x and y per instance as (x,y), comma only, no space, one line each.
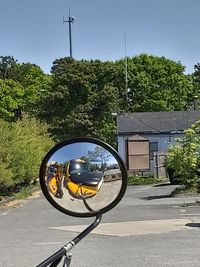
(152,122)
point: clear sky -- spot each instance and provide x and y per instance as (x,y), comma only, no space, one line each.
(72,151)
(77,150)
(33,30)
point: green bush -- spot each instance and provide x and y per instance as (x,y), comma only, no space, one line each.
(23,145)
(184,157)
(134,179)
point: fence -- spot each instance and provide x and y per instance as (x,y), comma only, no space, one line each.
(159,169)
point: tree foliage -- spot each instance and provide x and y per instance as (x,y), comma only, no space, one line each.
(11,98)
(21,88)
(99,154)
(195,95)
(35,83)
(84,94)
(82,98)
(8,67)
(156,84)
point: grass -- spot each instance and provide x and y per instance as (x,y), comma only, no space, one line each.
(185,191)
(26,191)
(143,180)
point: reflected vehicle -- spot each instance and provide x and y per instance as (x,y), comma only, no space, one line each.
(54,180)
(80,180)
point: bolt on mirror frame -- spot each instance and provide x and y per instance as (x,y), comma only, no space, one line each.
(95,141)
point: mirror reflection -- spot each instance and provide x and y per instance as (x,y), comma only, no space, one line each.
(83,177)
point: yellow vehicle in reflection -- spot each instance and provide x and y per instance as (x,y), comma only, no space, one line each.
(54,180)
(80,181)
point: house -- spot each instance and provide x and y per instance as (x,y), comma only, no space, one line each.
(143,135)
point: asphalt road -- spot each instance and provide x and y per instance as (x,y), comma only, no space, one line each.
(106,195)
(147,228)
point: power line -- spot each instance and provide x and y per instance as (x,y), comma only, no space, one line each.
(144,123)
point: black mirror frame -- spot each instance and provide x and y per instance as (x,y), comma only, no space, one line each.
(88,140)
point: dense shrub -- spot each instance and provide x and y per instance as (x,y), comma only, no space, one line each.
(23,145)
(134,179)
(184,157)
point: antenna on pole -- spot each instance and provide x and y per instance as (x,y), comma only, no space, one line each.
(70,21)
(126,68)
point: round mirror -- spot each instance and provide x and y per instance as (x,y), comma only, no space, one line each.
(83,177)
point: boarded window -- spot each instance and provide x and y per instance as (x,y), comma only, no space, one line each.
(138,153)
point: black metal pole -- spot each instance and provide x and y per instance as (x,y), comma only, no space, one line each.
(70,36)
(64,250)
(87,230)
(59,254)
(70,20)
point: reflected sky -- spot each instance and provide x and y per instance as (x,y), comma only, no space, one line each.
(77,150)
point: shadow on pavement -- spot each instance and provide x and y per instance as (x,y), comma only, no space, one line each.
(169,184)
(164,184)
(197,225)
(156,197)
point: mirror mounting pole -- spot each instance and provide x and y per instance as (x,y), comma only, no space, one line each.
(55,259)
(87,230)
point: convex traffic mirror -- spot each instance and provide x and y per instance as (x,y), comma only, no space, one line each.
(83,177)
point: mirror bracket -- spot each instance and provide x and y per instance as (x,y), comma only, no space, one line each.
(67,260)
(55,259)
(90,228)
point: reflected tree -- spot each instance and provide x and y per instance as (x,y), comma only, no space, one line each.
(101,155)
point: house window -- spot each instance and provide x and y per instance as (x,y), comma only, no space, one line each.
(153,148)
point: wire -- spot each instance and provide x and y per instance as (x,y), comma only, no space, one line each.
(145,123)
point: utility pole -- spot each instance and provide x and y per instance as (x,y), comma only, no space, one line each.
(70,21)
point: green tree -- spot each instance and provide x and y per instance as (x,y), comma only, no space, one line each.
(21,88)
(11,98)
(156,84)
(36,85)
(82,98)
(84,94)
(195,95)
(196,74)
(8,67)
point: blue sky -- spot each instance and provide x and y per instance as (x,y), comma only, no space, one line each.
(77,150)
(33,31)
(72,151)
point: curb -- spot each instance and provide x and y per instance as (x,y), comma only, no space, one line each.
(5,201)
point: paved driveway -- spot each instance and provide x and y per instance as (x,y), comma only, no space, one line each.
(32,231)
